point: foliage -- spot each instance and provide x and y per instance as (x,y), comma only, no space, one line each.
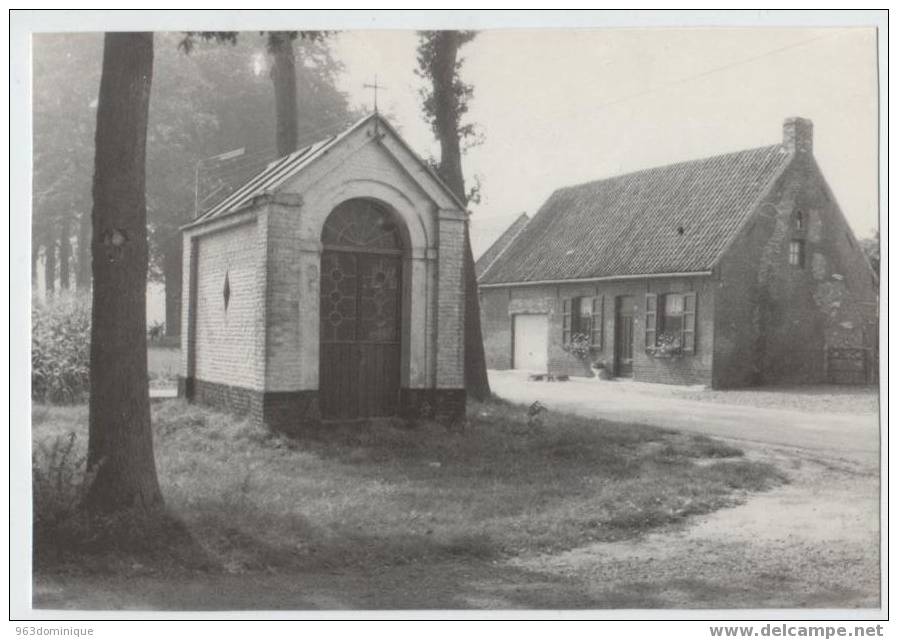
(579,346)
(214,100)
(66,78)
(190,39)
(461,91)
(60,348)
(445,102)
(871,249)
(666,345)
(58,482)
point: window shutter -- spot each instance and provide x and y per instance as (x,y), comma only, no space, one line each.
(566,322)
(598,321)
(651,319)
(688,340)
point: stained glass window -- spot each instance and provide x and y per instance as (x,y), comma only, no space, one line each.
(363,224)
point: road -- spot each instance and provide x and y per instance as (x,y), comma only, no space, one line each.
(850,436)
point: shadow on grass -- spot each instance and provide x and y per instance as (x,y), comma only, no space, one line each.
(382,493)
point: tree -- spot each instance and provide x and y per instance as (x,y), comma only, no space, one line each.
(236,111)
(871,249)
(120,445)
(283,76)
(445,102)
(65,81)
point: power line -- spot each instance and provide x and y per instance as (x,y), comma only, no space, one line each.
(709,72)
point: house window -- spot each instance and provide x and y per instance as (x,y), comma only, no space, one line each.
(796,253)
(799,220)
(582,315)
(672,314)
(670,322)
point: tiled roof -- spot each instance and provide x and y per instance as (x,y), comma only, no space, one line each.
(672,219)
(495,250)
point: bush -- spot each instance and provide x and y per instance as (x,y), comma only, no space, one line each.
(60,349)
(58,482)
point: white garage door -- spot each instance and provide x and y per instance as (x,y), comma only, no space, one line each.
(531,342)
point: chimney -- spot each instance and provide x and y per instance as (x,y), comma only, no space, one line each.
(798,135)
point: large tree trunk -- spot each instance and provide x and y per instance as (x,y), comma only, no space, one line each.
(283,75)
(65,254)
(120,447)
(446,116)
(171,271)
(82,264)
(49,265)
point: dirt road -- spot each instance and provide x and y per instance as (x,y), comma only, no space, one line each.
(848,435)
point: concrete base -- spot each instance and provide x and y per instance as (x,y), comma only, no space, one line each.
(295,411)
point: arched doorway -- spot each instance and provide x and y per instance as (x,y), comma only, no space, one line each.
(360,311)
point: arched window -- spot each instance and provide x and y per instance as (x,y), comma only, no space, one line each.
(799,220)
(363,225)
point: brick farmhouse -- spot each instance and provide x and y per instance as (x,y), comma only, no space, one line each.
(729,271)
(329,286)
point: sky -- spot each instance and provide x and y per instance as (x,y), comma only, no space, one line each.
(561,107)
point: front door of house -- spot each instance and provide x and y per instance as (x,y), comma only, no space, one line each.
(360,327)
(623,336)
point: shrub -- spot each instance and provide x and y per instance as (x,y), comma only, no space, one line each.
(58,482)
(60,349)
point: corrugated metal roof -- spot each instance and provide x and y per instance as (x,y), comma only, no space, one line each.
(268,179)
(279,171)
(630,224)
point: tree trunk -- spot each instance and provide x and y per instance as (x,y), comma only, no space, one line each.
(82,272)
(35,254)
(65,254)
(120,446)
(283,75)
(477,382)
(49,265)
(171,271)
(446,116)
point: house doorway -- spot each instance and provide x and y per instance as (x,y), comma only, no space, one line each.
(531,342)
(360,312)
(623,336)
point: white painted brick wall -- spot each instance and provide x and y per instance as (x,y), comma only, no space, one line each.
(227,339)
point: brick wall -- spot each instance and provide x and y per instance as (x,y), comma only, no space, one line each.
(227,339)
(499,305)
(777,320)
(283,358)
(495,325)
(450,305)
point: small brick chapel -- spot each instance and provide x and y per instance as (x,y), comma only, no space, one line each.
(329,287)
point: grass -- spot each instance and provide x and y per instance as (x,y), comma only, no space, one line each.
(382,494)
(163,364)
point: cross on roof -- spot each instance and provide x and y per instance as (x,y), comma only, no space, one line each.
(375,87)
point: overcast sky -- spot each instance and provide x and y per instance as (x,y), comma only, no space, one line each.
(563,107)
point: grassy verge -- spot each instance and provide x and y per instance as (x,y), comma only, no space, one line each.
(380,494)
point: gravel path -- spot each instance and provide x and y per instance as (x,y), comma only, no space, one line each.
(811,544)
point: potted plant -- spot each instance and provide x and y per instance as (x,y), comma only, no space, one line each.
(600,370)
(579,346)
(667,345)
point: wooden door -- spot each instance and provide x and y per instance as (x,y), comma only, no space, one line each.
(623,336)
(360,326)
